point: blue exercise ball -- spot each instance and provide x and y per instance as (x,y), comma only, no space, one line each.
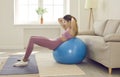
(72,51)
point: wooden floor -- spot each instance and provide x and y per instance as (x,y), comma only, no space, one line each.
(91,68)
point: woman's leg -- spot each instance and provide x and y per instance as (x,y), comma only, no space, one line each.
(29,48)
(33,40)
(41,41)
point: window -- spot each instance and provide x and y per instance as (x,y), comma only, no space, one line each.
(25,10)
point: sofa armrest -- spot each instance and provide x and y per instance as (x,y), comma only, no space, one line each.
(88,32)
(112,38)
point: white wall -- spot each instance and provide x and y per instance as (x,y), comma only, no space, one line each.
(114,9)
(12,36)
(108,9)
(77,9)
(74,6)
(102,11)
(84,14)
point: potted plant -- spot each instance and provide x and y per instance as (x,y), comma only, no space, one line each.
(40,11)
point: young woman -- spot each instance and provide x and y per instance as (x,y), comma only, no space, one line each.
(69,24)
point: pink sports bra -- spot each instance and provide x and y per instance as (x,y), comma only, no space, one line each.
(58,41)
(67,35)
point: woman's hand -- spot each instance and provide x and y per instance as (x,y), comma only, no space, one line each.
(60,20)
(63,38)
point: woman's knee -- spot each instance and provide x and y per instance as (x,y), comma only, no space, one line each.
(32,38)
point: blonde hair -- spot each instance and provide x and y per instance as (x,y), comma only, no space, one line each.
(76,33)
(68,18)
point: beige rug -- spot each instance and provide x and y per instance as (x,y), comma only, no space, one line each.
(49,67)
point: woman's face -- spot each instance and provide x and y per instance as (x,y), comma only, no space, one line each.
(66,23)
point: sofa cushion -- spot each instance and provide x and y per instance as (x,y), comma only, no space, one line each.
(99,26)
(112,38)
(111,27)
(87,32)
(118,30)
(93,42)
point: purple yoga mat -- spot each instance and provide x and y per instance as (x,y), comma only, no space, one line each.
(8,68)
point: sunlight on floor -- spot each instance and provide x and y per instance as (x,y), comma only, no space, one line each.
(2,53)
(22,53)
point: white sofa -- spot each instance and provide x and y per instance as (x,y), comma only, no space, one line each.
(103,43)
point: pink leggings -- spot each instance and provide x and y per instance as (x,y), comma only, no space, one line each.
(41,41)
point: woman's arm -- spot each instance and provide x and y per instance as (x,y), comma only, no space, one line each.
(60,20)
(63,38)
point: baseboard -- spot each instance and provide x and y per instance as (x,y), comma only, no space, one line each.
(11,47)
